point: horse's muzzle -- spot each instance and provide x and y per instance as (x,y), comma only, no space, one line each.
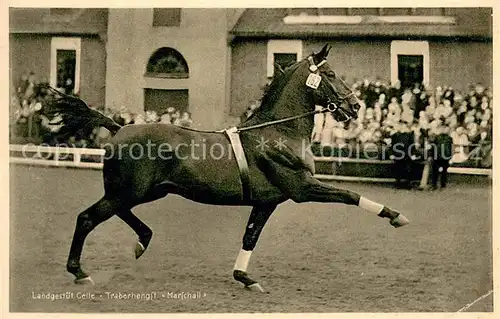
(343,114)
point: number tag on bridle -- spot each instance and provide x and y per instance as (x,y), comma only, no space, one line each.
(313,81)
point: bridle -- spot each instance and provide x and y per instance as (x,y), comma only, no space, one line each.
(330,105)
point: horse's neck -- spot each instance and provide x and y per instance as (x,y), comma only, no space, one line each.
(299,128)
(293,100)
(293,103)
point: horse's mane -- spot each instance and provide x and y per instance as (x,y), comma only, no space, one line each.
(274,90)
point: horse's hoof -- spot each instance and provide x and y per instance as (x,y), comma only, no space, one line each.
(84,281)
(255,287)
(399,221)
(139,250)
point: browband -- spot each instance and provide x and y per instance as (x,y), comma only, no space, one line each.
(312,66)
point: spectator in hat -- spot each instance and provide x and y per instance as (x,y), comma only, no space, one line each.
(407,115)
(449,94)
(462,111)
(185,119)
(369,92)
(401,141)
(484,103)
(461,144)
(485,149)
(395,92)
(486,115)
(442,153)
(394,112)
(473,103)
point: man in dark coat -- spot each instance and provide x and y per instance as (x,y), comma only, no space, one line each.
(395,91)
(368,94)
(402,142)
(442,147)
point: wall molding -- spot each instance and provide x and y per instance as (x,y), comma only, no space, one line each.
(62,43)
(409,48)
(281,46)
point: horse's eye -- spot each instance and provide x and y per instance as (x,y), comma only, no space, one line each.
(330,74)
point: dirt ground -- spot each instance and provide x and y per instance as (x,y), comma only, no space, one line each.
(310,258)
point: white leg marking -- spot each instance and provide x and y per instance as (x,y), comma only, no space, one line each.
(242,260)
(141,246)
(86,280)
(255,287)
(370,206)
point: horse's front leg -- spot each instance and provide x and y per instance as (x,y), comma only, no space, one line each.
(312,190)
(256,221)
(299,185)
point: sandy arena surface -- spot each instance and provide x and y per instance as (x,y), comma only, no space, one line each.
(310,258)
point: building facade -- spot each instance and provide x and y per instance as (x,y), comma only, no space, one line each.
(214,63)
(171,57)
(64,47)
(435,46)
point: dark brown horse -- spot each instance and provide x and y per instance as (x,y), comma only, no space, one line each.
(146,162)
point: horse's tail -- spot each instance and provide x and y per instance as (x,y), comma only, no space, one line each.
(76,115)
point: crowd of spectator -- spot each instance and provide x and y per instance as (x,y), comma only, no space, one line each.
(425,111)
(385,110)
(31,120)
(26,107)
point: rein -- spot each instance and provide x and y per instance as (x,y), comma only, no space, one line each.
(288,119)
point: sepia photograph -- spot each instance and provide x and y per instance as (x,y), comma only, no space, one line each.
(213,160)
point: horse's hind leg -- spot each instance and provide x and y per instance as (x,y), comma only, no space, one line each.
(142,230)
(85,223)
(256,221)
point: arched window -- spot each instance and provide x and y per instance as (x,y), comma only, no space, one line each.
(167,63)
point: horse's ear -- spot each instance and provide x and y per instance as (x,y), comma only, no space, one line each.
(321,55)
(278,70)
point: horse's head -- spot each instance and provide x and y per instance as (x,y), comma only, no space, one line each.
(329,90)
(303,85)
